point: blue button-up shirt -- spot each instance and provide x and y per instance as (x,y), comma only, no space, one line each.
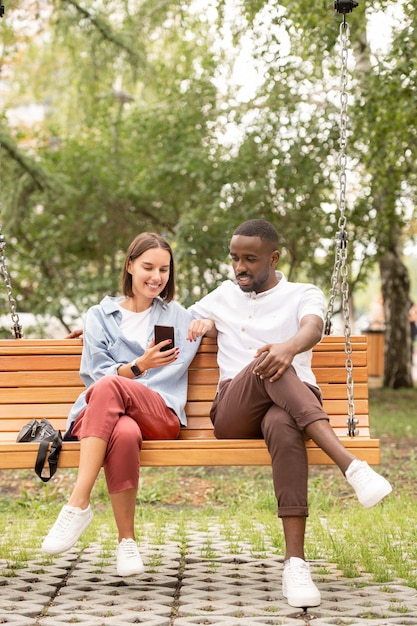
(105,349)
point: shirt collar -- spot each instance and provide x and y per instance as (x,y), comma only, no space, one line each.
(110,304)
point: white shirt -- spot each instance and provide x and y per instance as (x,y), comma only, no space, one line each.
(247,321)
(134,325)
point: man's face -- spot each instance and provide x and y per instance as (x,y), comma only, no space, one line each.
(253,262)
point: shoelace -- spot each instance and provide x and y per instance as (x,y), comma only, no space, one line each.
(362,476)
(63,522)
(300,573)
(130,549)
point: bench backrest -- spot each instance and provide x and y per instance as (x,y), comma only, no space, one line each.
(40,378)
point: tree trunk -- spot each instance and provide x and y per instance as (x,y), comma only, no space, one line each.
(395,291)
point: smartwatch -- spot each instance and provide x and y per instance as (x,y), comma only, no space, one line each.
(135,369)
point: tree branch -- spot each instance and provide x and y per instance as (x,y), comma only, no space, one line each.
(105,29)
(28,165)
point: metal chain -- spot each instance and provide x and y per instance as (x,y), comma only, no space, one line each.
(16,326)
(340,270)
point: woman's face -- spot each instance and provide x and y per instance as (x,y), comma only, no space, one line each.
(150,272)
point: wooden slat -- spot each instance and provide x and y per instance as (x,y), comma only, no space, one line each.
(337,342)
(323,374)
(41,394)
(30,362)
(30,411)
(338,375)
(40,379)
(203,376)
(340,391)
(359,359)
(337,421)
(40,346)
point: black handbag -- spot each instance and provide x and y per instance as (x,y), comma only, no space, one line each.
(46,434)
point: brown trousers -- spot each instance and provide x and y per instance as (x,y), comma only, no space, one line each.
(247,407)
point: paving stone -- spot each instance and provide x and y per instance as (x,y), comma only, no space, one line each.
(16,620)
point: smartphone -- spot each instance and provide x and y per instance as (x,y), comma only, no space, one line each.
(162,333)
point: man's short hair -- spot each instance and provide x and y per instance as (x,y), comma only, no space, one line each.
(258,228)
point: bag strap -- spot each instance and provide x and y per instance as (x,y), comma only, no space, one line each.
(56,445)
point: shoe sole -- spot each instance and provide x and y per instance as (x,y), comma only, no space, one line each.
(368,504)
(298,604)
(126,573)
(303,605)
(68,545)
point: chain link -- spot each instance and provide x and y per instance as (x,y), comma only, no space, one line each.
(340,274)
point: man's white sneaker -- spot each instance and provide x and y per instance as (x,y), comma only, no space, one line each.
(129,561)
(297,585)
(68,528)
(370,487)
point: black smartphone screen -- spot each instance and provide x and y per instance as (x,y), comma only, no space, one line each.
(162,333)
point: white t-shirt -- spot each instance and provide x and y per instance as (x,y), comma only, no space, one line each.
(247,321)
(135,326)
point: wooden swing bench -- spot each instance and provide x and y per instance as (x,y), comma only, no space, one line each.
(40,378)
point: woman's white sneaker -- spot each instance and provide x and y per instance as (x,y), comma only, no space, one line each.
(370,487)
(297,585)
(129,561)
(68,528)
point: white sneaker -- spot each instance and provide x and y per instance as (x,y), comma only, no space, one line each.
(297,585)
(68,528)
(370,487)
(129,561)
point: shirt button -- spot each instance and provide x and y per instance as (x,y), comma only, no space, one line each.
(243,330)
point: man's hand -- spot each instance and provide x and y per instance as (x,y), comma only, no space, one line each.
(75,334)
(278,358)
(199,328)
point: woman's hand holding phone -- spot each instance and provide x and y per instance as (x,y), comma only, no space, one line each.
(164,335)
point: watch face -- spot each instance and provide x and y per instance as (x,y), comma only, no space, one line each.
(135,370)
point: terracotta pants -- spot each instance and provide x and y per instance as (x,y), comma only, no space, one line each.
(248,407)
(123,412)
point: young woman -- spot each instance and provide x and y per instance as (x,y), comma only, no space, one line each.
(134,391)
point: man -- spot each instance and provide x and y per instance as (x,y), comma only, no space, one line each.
(266,328)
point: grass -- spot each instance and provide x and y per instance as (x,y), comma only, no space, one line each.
(240,504)
(393,413)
